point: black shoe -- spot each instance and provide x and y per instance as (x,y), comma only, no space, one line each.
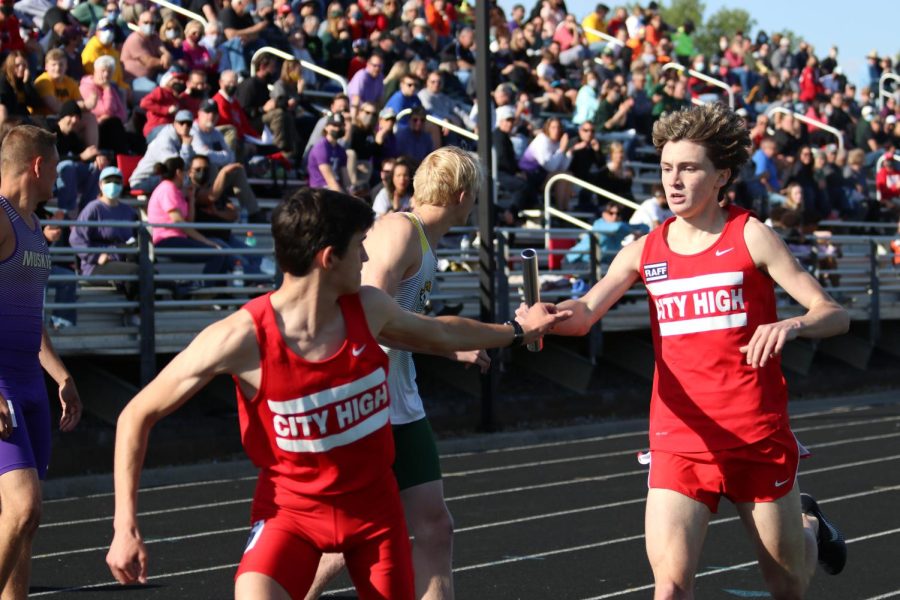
(832,547)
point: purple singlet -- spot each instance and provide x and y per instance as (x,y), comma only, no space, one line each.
(23,279)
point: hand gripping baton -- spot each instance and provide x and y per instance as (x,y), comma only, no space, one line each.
(532,287)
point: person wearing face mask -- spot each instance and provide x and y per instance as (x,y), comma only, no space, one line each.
(233,121)
(171,33)
(226,176)
(106,208)
(144,56)
(172,140)
(164,102)
(196,54)
(327,166)
(101,44)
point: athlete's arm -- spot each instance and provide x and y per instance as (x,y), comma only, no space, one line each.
(228,346)
(439,335)
(590,308)
(393,250)
(824,317)
(68,393)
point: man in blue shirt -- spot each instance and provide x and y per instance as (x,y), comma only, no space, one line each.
(414,141)
(612,232)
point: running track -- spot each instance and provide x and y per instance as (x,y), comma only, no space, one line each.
(540,515)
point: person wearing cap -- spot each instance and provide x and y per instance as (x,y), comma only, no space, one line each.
(79,165)
(102,43)
(144,56)
(415,141)
(163,102)
(327,163)
(225,176)
(512,182)
(340,104)
(171,140)
(424,42)
(385,139)
(106,208)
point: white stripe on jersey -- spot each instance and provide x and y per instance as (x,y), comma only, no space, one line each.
(703,324)
(329,396)
(693,284)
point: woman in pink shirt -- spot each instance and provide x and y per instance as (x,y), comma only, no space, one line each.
(196,55)
(106,102)
(173,202)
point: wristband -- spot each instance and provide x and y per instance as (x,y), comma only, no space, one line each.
(518,333)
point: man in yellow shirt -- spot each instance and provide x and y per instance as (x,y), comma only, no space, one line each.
(595,20)
(102,43)
(55,87)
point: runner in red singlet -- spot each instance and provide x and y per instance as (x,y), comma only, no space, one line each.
(718,413)
(313,405)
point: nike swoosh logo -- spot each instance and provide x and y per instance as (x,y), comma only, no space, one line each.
(358,350)
(781,483)
(721,252)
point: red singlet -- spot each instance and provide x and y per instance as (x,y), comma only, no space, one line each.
(703,308)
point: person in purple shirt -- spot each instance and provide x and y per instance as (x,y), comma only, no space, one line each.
(367,85)
(414,141)
(106,208)
(28,160)
(327,166)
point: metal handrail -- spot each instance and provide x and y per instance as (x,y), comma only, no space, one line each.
(808,121)
(181,11)
(704,77)
(442,123)
(881,91)
(550,211)
(303,63)
(603,36)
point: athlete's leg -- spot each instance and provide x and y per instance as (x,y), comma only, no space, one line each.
(431,527)
(785,543)
(329,566)
(256,586)
(381,567)
(675,528)
(20,515)
(277,563)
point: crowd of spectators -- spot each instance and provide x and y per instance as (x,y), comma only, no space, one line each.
(128,78)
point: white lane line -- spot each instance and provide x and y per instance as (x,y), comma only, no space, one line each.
(741,566)
(468,496)
(837,410)
(150,512)
(174,538)
(161,488)
(893,594)
(115,585)
(831,411)
(561,513)
(643,472)
(633,451)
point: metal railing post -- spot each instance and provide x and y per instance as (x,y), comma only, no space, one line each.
(146,294)
(874,293)
(704,77)
(808,121)
(882,92)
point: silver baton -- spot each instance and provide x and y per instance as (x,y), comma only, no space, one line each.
(532,287)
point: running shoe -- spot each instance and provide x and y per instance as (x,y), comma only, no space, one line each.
(832,547)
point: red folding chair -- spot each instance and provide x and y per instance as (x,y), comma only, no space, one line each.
(127,163)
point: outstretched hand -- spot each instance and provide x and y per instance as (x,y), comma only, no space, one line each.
(768,341)
(539,319)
